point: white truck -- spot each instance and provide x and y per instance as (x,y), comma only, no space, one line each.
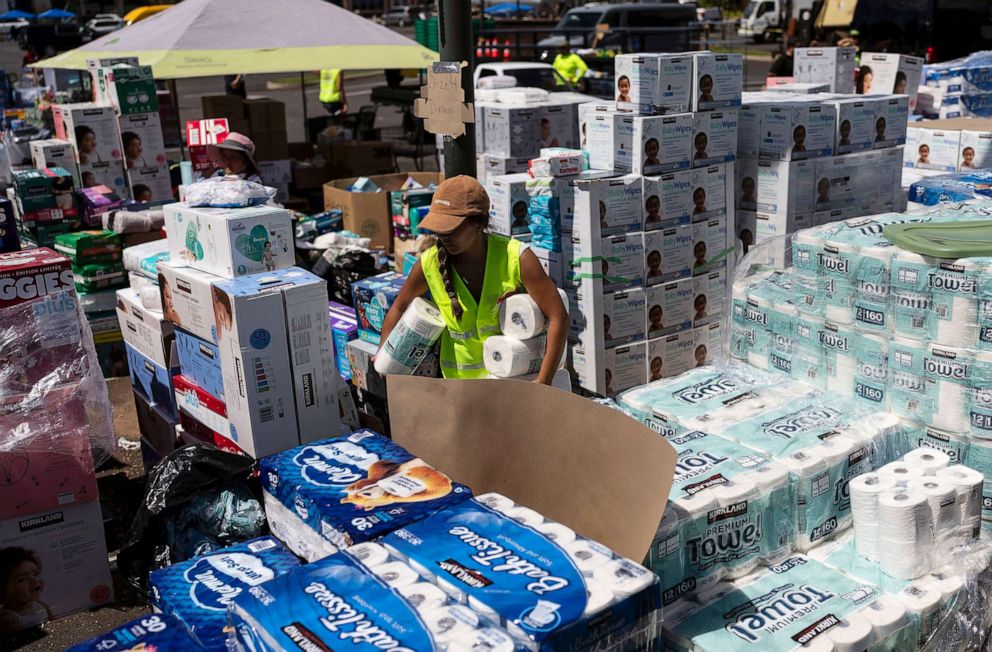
(763,20)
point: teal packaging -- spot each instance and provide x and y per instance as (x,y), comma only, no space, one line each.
(871,352)
(373,298)
(907,388)
(911,297)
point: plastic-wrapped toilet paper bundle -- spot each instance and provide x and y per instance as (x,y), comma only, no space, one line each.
(730,509)
(835,266)
(409,342)
(782,332)
(923,600)
(808,361)
(577,588)
(948,374)
(871,353)
(521,318)
(762,303)
(980,459)
(864,490)
(839,342)
(907,388)
(954,300)
(327,604)
(980,395)
(800,604)
(293,531)
(740,332)
(809,284)
(869,306)
(905,541)
(952,444)
(911,297)
(506,357)
(968,484)
(942,501)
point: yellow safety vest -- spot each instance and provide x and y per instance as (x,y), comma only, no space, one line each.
(461,342)
(329,86)
(571,67)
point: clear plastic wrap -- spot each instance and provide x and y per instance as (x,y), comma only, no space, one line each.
(227,192)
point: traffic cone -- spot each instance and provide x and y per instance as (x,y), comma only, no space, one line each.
(478,48)
(506,50)
(489,48)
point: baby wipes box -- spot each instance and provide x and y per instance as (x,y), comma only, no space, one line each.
(280,382)
(373,297)
(608,206)
(149,632)
(356,487)
(717,81)
(187,298)
(667,200)
(653,83)
(509,204)
(230,242)
(607,139)
(834,66)
(793,131)
(668,254)
(891,121)
(659,144)
(199,591)
(575,593)
(361,599)
(709,192)
(714,138)
(854,118)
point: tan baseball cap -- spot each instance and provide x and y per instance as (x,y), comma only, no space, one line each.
(454,200)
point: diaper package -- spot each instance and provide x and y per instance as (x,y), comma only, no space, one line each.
(362,598)
(199,591)
(149,632)
(549,587)
(730,509)
(355,488)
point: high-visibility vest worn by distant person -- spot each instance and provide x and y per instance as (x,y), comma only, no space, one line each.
(329,87)
(571,67)
(461,342)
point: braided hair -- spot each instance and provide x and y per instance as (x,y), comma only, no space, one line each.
(447,265)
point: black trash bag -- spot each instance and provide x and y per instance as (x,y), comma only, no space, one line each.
(347,268)
(197,499)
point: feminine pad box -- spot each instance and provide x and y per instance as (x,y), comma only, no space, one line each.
(357,487)
(373,297)
(230,242)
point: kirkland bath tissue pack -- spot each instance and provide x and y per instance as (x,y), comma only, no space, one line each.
(351,489)
(549,587)
(730,509)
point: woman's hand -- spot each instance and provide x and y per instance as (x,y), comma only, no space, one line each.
(506,296)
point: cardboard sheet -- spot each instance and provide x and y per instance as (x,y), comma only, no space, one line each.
(441,103)
(594,469)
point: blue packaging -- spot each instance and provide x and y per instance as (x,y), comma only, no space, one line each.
(344,328)
(360,601)
(357,487)
(373,297)
(197,592)
(150,632)
(199,360)
(153,382)
(550,588)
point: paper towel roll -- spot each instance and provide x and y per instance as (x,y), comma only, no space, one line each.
(910,293)
(411,339)
(623,577)
(151,299)
(968,484)
(588,555)
(396,574)
(901,472)
(424,596)
(805,462)
(864,492)
(556,532)
(923,599)
(489,639)
(370,554)
(907,381)
(769,477)
(835,265)
(948,374)
(887,616)
(980,394)
(955,301)
(929,459)
(497,502)
(506,357)
(525,515)
(980,459)
(521,318)
(839,352)
(687,507)
(853,634)
(733,492)
(451,623)
(942,500)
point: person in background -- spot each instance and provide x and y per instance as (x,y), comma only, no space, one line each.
(332,94)
(570,66)
(469,273)
(235,157)
(235,85)
(782,66)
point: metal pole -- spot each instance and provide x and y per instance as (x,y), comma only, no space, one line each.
(454,26)
(303,91)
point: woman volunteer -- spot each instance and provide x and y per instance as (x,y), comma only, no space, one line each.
(469,273)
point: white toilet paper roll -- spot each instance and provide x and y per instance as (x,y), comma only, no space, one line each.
(821,643)
(942,500)
(497,502)
(454,591)
(929,459)
(479,606)
(411,339)
(489,639)
(840,354)
(506,357)
(588,555)
(623,577)
(923,599)
(838,256)
(735,491)
(597,598)
(901,472)
(950,584)
(451,623)
(521,318)
(394,552)
(968,485)
(151,299)
(835,449)
(396,574)
(423,596)
(423,571)
(904,517)
(948,373)
(864,492)
(853,634)
(887,616)
(370,554)
(525,516)
(556,532)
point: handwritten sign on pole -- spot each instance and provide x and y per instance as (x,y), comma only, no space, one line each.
(442,103)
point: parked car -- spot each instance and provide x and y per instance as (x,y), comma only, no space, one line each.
(142,13)
(7,27)
(50,39)
(399,17)
(528,74)
(104,24)
(709,15)
(640,27)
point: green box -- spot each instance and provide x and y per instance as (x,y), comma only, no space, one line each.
(90,246)
(131,89)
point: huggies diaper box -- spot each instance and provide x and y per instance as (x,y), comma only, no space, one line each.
(373,298)
(356,487)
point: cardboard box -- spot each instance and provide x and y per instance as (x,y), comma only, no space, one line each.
(717,81)
(975,150)
(709,192)
(513,131)
(787,188)
(199,134)
(710,239)
(223,106)
(148,331)
(280,384)
(669,356)
(623,316)
(566,190)
(509,203)
(202,406)
(559,126)
(833,66)
(359,158)
(187,299)
(368,213)
(373,297)
(836,183)
(658,144)
(667,200)
(746,184)
(707,343)
(668,254)
(142,140)
(714,138)
(278,175)
(129,89)
(655,83)
(748,128)
(613,263)
(553,264)
(271,146)
(67,557)
(608,206)
(363,373)
(794,131)
(608,140)
(199,361)
(266,116)
(151,184)
(152,380)
(307,176)
(91,129)
(43,189)
(230,242)
(668,307)
(344,328)
(891,121)
(932,148)
(108,173)
(898,74)
(493,166)
(610,371)
(55,153)
(854,119)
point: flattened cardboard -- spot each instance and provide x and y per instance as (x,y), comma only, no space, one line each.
(441,103)
(577,462)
